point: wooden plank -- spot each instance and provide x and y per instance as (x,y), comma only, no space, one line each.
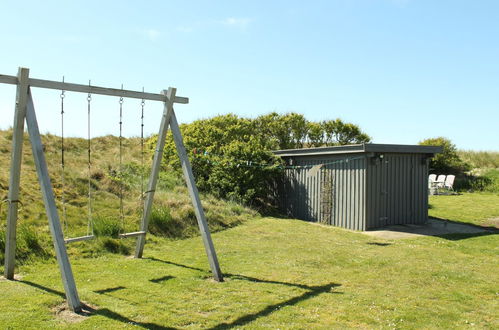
(132,234)
(15,172)
(153,178)
(58,85)
(78,239)
(11,80)
(50,208)
(193,192)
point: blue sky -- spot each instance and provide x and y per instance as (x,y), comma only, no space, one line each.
(403,70)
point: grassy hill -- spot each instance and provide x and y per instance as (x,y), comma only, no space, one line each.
(172,217)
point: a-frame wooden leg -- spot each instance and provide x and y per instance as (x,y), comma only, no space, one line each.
(51,209)
(170,119)
(193,192)
(153,179)
(15,172)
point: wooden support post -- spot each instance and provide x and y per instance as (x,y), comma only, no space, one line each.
(51,209)
(15,171)
(156,166)
(193,192)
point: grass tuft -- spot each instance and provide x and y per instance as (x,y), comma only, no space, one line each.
(106,226)
(115,246)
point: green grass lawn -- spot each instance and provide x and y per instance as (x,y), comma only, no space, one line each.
(476,208)
(279,274)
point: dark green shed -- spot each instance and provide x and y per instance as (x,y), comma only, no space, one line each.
(357,187)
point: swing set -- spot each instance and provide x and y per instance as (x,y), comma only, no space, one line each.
(25,112)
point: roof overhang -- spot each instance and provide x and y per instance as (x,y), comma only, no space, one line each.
(360,148)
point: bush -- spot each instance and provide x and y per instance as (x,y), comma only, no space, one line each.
(488,181)
(232,156)
(228,157)
(448,161)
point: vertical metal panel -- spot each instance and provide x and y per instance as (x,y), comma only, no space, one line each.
(305,188)
(366,193)
(397,192)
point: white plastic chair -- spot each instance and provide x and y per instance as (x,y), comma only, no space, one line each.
(441,181)
(449,182)
(431,182)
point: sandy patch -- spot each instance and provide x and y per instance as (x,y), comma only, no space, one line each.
(63,313)
(17,277)
(493,222)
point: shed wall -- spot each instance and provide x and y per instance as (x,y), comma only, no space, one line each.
(397,190)
(335,194)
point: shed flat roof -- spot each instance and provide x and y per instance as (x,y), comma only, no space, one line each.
(360,148)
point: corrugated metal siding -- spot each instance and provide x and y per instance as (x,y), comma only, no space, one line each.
(397,190)
(307,194)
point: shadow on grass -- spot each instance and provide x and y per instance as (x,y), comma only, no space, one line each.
(109,290)
(89,311)
(162,279)
(235,276)
(379,244)
(460,236)
(312,291)
(245,319)
(492,229)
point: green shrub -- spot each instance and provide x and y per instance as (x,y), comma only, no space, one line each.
(232,156)
(448,161)
(493,175)
(488,181)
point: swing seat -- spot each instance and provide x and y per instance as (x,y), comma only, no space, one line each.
(132,234)
(79,239)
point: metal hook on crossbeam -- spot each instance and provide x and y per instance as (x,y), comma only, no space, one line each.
(10,202)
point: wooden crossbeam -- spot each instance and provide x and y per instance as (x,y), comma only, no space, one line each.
(132,234)
(78,239)
(58,85)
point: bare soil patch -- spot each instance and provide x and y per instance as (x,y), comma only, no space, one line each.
(63,313)
(493,222)
(17,277)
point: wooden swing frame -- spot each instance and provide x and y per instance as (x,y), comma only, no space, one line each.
(25,112)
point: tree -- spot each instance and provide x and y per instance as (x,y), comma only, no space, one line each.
(315,134)
(339,133)
(447,162)
(232,157)
(288,131)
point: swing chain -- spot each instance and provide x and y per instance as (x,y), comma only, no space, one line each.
(122,214)
(63,174)
(142,104)
(90,225)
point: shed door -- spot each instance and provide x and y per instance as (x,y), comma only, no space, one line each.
(397,188)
